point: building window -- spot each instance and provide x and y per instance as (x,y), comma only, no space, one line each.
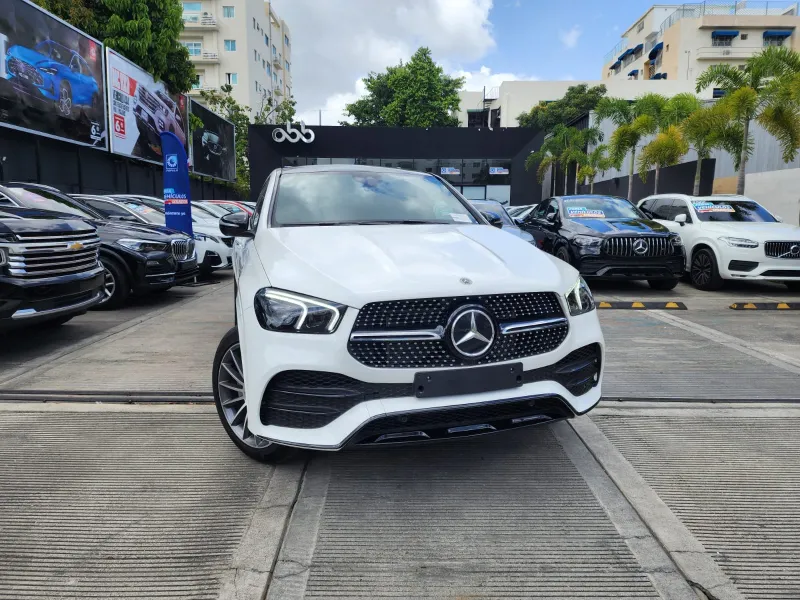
(269,70)
(289,91)
(257,86)
(639,26)
(286,39)
(274,50)
(722,41)
(264,64)
(198,81)
(194,48)
(230,45)
(288,68)
(266,40)
(191,12)
(275,78)
(744,36)
(228,12)
(773,41)
(232,78)
(255,55)
(254,22)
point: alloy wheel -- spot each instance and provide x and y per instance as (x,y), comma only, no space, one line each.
(109,286)
(230,385)
(701,269)
(65,102)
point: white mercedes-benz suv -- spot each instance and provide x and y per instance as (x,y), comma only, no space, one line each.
(375,306)
(729,237)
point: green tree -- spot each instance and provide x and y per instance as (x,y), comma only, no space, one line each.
(550,153)
(596,162)
(665,150)
(708,128)
(634,120)
(761,91)
(144,31)
(413,94)
(578,100)
(221,102)
(576,144)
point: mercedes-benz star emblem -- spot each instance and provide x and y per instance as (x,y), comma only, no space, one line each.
(472,332)
(466,280)
(640,246)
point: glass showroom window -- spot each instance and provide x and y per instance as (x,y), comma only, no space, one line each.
(230,45)
(194,48)
(191,12)
(229,12)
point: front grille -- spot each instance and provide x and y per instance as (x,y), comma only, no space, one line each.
(148,100)
(439,423)
(578,371)
(782,249)
(780,273)
(309,399)
(430,313)
(25,71)
(47,254)
(183,249)
(624,246)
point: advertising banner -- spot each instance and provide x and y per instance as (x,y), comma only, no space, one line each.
(140,110)
(51,76)
(177,206)
(213,149)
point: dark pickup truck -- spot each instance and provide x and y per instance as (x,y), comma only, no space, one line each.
(49,268)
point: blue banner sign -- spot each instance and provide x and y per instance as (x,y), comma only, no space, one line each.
(177,205)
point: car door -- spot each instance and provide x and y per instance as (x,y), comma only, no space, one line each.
(532,222)
(549,224)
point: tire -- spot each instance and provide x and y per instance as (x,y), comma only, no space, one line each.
(663,284)
(117,286)
(231,407)
(793,286)
(563,254)
(64,102)
(704,272)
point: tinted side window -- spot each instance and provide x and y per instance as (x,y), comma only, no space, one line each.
(681,208)
(262,198)
(552,207)
(647,206)
(662,208)
(539,211)
(107,207)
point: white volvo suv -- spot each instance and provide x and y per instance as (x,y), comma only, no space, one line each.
(729,237)
(375,306)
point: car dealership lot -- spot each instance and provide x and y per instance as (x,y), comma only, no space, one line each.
(152,499)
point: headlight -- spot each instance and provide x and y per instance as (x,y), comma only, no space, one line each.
(143,245)
(676,240)
(579,298)
(3,257)
(739,242)
(277,310)
(587,240)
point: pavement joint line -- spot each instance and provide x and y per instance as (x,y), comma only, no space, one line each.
(651,556)
(109,397)
(739,411)
(39,363)
(91,407)
(777,359)
(695,563)
(253,562)
(293,566)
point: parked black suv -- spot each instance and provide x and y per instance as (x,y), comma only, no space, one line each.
(49,268)
(137,258)
(605,237)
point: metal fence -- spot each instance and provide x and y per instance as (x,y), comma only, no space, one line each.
(623,43)
(743,8)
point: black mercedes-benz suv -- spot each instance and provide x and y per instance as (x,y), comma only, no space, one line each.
(49,269)
(137,258)
(606,237)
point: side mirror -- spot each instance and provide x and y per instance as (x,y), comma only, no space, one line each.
(236,225)
(680,219)
(493,218)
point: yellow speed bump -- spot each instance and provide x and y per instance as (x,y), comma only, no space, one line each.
(765,306)
(642,305)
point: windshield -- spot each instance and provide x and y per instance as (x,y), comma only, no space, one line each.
(44,200)
(592,207)
(151,215)
(731,211)
(493,208)
(363,197)
(216,209)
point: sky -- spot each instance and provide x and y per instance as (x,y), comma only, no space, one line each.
(335,43)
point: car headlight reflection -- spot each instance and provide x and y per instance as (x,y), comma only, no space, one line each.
(277,310)
(588,243)
(736,242)
(579,298)
(143,245)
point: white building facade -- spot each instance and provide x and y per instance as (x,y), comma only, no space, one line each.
(243,43)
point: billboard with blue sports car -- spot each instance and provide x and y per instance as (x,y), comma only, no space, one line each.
(51,76)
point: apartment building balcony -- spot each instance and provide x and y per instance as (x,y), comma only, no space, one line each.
(204,22)
(727,52)
(277,62)
(195,91)
(205,58)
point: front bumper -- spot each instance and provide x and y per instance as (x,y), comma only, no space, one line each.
(23,302)
(753,264)
(267,354)
(609,267)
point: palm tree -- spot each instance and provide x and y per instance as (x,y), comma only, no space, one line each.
(665,150)
(596,161)
(711,127)
(551,153)
(761,91)
(634,120)
(576,153)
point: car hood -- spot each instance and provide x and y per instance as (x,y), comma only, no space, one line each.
(28,55)
(617,226)
(359,264)
(518,232)
(759,232)
(26,220)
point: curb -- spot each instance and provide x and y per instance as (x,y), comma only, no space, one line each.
(765,306)
(642,305)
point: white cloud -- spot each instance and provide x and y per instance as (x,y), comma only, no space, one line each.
(335,43)
(475,81)
(570,37)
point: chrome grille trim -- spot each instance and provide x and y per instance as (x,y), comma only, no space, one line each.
(624,246)
(509,328)
(417,335)
(32,258)
(182,249)
(781,249)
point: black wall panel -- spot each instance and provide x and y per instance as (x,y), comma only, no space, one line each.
(676,180)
